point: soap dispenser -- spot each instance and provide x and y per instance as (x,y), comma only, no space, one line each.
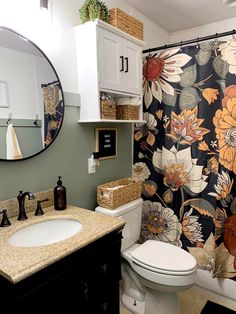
(59,195)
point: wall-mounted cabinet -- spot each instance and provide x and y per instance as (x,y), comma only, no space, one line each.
(110,61)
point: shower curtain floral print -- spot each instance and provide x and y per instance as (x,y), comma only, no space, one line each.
(53,111)
(185,153)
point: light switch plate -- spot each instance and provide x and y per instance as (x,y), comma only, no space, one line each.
(91,166)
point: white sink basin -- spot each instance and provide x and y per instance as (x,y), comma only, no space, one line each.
(45,232)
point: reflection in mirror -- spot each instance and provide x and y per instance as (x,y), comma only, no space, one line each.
(31,98)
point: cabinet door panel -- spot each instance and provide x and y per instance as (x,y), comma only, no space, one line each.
(132,80)
(110,61)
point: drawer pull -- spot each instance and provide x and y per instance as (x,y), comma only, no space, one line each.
(85,290)
(104,268)
(104,307)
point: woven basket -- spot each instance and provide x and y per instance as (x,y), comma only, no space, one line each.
(127,112)
(108,109)
(126,190)
(126,23)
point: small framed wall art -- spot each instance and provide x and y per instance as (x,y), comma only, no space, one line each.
(106,142)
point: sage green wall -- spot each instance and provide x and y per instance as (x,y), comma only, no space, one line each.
(68,156)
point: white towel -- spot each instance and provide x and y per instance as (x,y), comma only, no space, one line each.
(12,145)
(134,101)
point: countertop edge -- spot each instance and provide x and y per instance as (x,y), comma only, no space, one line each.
(47,255)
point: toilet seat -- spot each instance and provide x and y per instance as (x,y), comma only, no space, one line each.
(140,261)
(165,279)
(168,259)
(165,272)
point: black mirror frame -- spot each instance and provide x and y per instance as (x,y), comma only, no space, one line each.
(62,94)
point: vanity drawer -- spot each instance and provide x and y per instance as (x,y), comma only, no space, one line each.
(107,266)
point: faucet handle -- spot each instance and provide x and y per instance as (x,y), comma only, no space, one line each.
(5,221)
(20,193)
(39,211)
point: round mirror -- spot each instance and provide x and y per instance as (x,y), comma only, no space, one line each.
(31,98)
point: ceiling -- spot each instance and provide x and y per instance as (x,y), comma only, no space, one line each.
(174,15)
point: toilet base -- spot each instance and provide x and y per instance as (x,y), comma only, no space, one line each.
(161,302)
(155,302)
(136,307)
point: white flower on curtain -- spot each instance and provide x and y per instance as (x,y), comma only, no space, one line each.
(140,171)
(160,223)
(179,169)
(223,186)
(192,229)
(161,70)
(228,54)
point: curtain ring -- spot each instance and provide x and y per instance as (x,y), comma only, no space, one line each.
(197,46)
(181,45)
(233,36)
(216,43)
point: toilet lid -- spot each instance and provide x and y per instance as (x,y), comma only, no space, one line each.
(163,256)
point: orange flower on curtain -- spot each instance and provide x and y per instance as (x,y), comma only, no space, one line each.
(186,127)
(210,94)
(225,128)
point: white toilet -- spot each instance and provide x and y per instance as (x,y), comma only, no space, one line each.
(153,272)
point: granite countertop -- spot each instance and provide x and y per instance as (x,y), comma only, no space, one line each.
(18,263)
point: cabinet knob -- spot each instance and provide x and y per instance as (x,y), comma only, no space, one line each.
(122,63)
(104,307)
(104,268)
(84,290)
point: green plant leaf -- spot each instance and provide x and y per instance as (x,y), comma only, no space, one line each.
(203,56)
(210,45)
(222,84)
(188,77)
(169,100)
(201,205)
(221,67)
(188,98)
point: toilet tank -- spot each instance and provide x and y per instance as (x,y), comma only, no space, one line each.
(131,213)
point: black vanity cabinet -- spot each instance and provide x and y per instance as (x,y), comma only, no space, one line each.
(85,282)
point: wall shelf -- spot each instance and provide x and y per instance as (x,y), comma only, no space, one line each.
(109,61)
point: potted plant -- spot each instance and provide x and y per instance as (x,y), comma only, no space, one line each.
(93,9)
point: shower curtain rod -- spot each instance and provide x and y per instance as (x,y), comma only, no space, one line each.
(190,41)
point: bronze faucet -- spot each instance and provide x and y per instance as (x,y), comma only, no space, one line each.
(21,200)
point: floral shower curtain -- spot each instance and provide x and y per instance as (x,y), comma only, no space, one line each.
(185,153)
(53,110)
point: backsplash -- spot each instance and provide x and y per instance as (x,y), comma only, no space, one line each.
(12,204)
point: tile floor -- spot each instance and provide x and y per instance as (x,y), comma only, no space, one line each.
(192,302)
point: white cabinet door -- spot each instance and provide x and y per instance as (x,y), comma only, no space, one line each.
(110,60)
(131,80)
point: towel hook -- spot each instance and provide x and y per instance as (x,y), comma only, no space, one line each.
(36,120)
(9,118)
